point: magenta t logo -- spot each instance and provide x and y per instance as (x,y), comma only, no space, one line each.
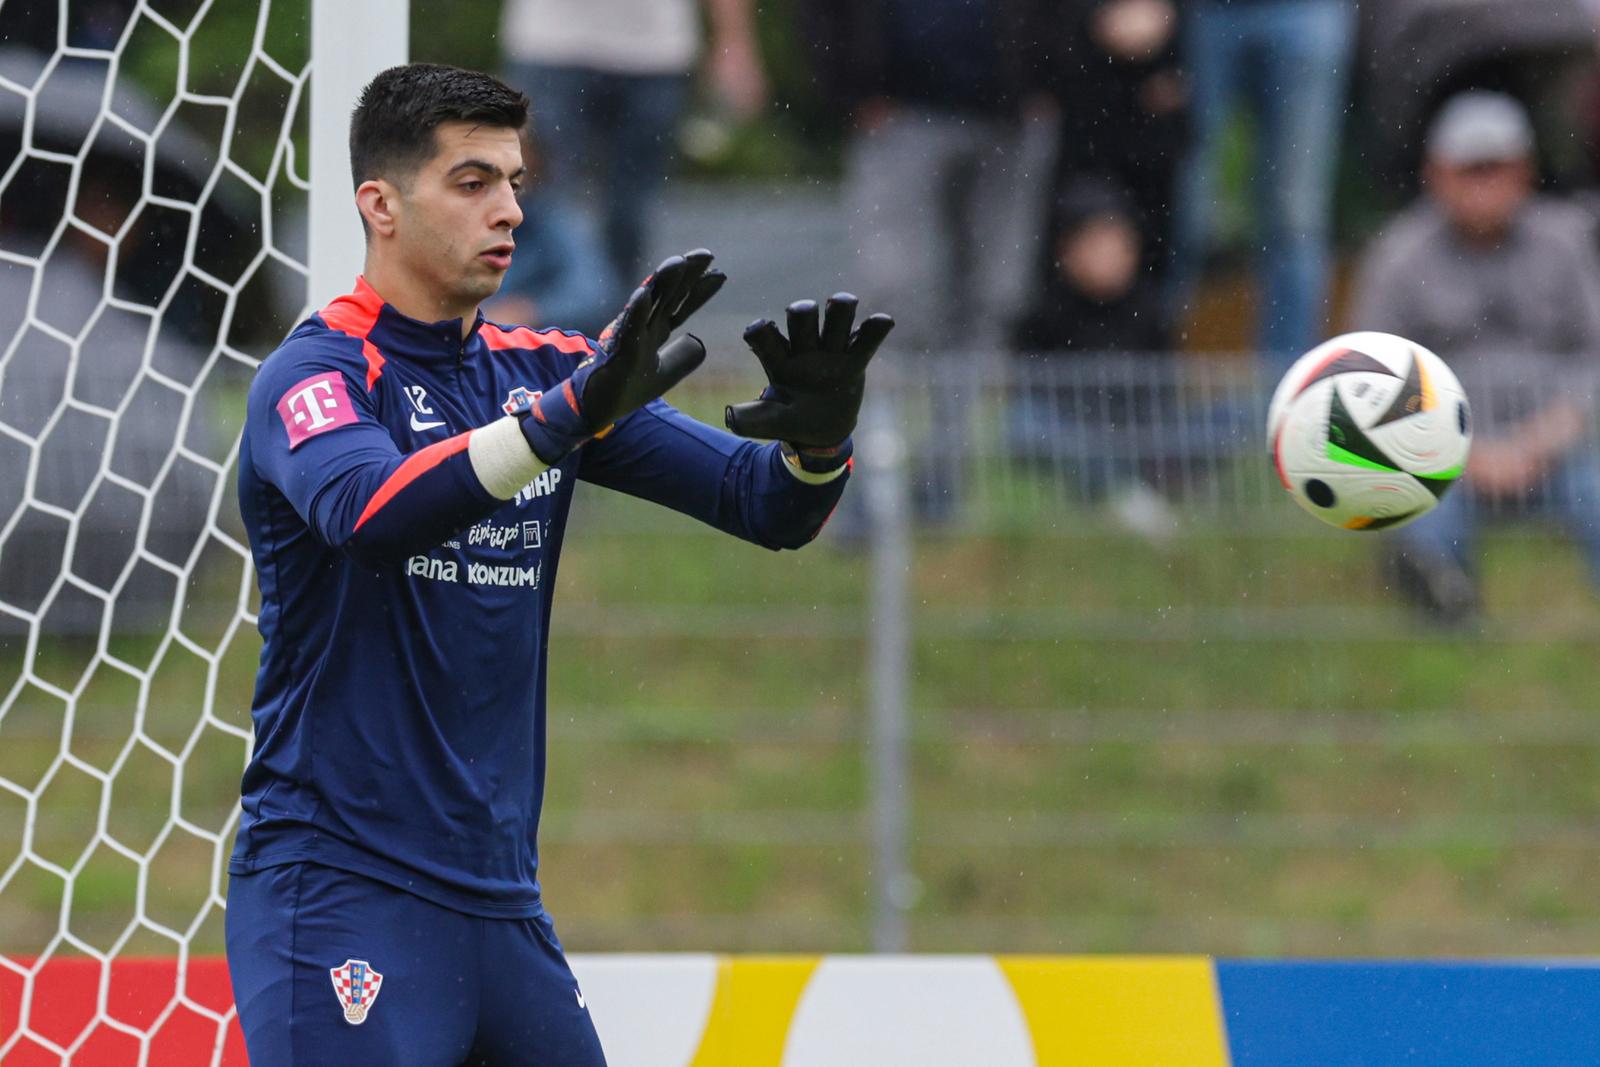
(317,404)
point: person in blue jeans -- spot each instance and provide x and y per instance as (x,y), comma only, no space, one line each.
(1287,61)
(1433,561)
(609,82)
(561,274)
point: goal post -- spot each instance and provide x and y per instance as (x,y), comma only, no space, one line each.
(351,41)
(174,196)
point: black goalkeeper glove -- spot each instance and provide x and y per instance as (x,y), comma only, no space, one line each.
(635,364)
(815,378)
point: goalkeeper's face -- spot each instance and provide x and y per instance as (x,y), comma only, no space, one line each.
(453,220)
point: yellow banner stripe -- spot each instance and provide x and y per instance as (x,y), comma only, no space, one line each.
(751,1010)
(1120,1011)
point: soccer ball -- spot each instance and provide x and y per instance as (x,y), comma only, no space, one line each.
(1368,431)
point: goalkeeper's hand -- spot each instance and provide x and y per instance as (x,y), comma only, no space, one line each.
(635,363)
(815,377)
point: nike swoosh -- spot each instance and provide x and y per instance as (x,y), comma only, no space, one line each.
(420,426)
(581,1004)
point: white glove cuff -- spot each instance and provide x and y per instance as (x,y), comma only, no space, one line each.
(502,458)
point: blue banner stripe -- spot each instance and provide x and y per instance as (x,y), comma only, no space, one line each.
(1417,1014)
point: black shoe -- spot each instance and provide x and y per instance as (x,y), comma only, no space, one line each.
(1439,587)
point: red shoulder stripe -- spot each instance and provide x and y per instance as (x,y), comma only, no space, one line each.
(415,466)
(527,337)
(354,314)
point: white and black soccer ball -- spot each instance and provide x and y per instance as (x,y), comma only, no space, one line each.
(1368,431)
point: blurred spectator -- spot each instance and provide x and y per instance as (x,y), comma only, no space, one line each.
(608,79)
(559,276)
(1505,285)
(935,93)
(1093,296)
(1099,388)
(1287,60)
(1117,70)
(945,196)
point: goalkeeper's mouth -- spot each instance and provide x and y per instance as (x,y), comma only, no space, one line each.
(498,257)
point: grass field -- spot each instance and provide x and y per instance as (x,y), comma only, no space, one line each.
(1238,746)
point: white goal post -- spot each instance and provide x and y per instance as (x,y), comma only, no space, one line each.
(160,225)
(365,37)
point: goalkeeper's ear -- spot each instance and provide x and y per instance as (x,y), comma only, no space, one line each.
(377,201)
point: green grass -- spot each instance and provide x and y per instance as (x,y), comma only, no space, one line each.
(1242,746)
(1238,746)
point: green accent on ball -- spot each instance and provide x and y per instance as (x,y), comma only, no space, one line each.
(1345,435)
(1344,455)
(1438,483)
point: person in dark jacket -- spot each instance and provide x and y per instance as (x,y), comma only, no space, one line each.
(1096,293)
(1099,389)
(1115,65)
(1094,320)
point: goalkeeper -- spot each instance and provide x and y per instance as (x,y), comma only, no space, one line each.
(405,478)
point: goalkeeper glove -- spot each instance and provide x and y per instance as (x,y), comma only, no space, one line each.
(815,380)
(634,365)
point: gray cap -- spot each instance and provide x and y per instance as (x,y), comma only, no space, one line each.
(1480,127)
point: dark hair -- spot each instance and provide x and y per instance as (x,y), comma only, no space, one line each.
(391,130)
(1085,198)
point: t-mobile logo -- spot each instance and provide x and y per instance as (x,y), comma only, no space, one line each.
(310,402)
(315,405)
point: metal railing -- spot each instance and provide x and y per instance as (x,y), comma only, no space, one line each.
(994,437)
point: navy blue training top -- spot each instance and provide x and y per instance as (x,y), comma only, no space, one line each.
(399,708)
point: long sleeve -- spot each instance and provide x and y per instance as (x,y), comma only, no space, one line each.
(1584,386)
(316,437)
(743,488)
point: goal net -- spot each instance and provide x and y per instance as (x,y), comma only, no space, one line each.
(153,229)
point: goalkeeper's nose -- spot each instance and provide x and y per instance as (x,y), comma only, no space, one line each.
(507,209)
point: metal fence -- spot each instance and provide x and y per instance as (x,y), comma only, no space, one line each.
(990,438)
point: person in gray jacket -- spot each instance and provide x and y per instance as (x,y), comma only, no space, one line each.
(1504,284)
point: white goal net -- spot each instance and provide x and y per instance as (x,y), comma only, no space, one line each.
(153,204)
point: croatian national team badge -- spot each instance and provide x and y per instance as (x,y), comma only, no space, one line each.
(357,985)
(519,400)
